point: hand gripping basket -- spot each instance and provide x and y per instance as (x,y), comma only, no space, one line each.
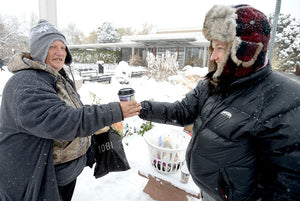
(167,149)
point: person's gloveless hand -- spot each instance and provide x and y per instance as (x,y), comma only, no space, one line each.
(130,108)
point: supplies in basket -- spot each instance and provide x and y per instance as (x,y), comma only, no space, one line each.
(167,149)
(166,161)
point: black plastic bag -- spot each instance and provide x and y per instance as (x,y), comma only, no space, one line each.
(109,153)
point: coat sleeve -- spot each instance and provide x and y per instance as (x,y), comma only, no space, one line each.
(179,113)
(39,111)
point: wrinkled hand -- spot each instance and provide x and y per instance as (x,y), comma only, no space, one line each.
(130,108)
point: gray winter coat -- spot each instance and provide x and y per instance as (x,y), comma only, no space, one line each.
(245,144)
(32,116)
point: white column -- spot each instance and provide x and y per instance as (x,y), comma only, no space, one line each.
(48,11)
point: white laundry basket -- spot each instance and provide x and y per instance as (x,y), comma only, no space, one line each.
(167,159)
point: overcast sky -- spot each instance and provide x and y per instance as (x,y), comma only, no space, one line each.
(87,15)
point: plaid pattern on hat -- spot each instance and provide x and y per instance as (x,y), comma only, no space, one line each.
(41,38)
(247,35)
(253,28)
(252,25)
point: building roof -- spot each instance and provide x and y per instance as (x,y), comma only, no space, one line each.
(171,38)
(128,44)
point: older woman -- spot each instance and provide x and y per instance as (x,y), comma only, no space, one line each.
(44,128)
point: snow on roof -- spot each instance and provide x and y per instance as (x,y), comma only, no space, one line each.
(183,37)
(187,36)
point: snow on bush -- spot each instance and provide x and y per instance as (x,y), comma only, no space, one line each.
(162,67)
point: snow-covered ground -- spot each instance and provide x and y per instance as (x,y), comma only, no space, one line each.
(128,185)
(125,186)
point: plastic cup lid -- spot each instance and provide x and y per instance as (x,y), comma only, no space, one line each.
(126,91)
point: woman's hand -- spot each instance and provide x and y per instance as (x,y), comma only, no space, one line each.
(130,108)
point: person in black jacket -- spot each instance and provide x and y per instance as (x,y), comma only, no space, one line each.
(246,133)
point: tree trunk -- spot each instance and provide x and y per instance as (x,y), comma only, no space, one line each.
(297,70)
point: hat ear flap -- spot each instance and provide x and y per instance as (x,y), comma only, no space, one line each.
(244,52)
(69,58)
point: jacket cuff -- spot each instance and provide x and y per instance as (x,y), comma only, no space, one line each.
(116,112)
(145,111)
(121,111)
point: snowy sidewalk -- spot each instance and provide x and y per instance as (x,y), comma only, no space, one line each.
(128,185)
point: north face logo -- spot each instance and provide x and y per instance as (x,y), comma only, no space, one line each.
(226,114)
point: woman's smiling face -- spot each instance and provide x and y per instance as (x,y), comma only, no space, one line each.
(56,55)
(218,53)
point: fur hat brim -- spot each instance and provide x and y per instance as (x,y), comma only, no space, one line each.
(220,24)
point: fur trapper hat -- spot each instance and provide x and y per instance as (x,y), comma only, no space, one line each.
(246,30)
(41,38)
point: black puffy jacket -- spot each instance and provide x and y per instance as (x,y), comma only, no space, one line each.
(244,145)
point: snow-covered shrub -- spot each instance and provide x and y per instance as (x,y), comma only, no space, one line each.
(123,73)
(136,60)
(162,67)
(108,56)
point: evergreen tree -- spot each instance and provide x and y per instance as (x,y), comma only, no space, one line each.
(286,55)
(108,34)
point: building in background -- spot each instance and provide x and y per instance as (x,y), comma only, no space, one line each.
(189,45)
